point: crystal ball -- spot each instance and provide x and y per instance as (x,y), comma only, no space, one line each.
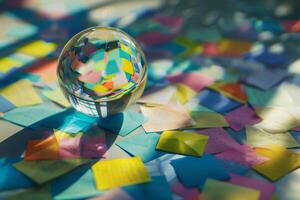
(102,71)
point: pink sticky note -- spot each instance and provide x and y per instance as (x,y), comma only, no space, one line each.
(194,80)
(171,21)
(186,193)
(266,189)
(69,147)
(244,155)
(218,141)
(154,38)
(242,116)
(93,146)
(90,77)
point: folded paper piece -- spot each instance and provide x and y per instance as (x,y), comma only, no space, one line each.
(175,117)
(207,120)
(120,172)
(216,101)
(76,185)
(260,138)
(182,142)
(214,189)
(36,170)
(218,140)
(26,116)
(193,172)
(142,145)
(158,95)
(122,123)
(278,119)
(242,116)
(12,178)
(158,188)
(232,90)
(281,161)
(8,129)
(194,80)
(21,93)
(244,155)
(266,189)
(57,97)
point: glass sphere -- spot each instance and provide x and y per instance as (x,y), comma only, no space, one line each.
(101,71)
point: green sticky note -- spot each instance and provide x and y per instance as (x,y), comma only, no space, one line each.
(42,171)
(78,184)
(42,192)
(26,116)
(214,189)
(112,67)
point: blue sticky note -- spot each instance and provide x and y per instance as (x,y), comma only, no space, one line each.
(142,144)
(69,121)
(112,67)
(216,101)
(29,115)
(157,189)
(193,171)
(122,123)
(5,105)
(10,177)
(78,184)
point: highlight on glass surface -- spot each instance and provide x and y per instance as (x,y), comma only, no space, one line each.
(102,71)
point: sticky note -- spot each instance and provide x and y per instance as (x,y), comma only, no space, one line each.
(46,69)
(214,189)
(232,47)
(259,138)
(182,142)
(79,184)
(142,145)
(207,120)
(5,105)
(183,93)
(69,121)
(244,155)
(242,116)
(45,149)
(158,188)
(281,161)
(122,123)
(8,64)
(26,116)
(186,193)
(266,189)
(231,90)
(21,93)
(175,117)
(194,80)
(233,167)
(216,101)
(35,170)
(38,48)
(12,178)
(57,97)
(8,130)
(193,171)
(158,95)
(218,140)
(120,172)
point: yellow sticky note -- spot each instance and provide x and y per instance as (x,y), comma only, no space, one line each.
(182,142)
(120,172)
(217,190)
(9,63)
(281,161)
(38,48)
(21,93)
(183,93)
(56,96)
(127,66)
(207,120)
